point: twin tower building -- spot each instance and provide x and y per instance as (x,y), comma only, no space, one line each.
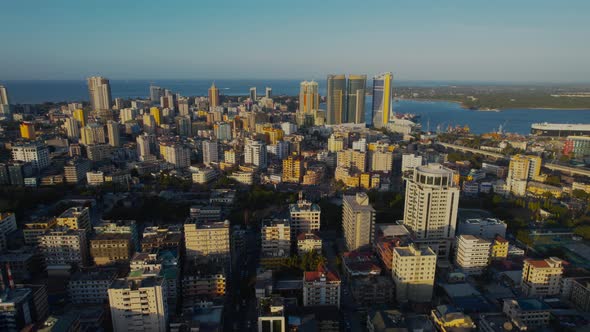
(346,102)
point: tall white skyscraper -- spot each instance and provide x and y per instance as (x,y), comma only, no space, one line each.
(99,90)
(3,95)
(358,221)
(268,92)
(431,205)
(210,152)
(382,99)
(72,128)
(113,133)
(253,93)
(255,154)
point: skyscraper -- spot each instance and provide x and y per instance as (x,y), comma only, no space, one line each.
(213,96)
(72,128)
(155,93)
(309,98)
(157,114)
(210,152)
(99,90)
(336,103)
(3,95)
(357,86)
(113,133)
(268,92)
(81,116)
(382,99)
(255,154)
(253,93)
(431,206)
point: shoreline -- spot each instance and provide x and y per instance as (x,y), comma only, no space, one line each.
(498,109)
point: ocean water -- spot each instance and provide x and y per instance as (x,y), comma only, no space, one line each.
(433,115)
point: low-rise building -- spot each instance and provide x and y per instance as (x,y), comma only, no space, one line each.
(526,314)
(321,288)
(499,248)
(90,286)
(110,248)
(307,242)
(449,319)
(76,217)
(472,254)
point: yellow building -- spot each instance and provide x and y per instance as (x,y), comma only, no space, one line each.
(539,189)
(213,96)
(542,277)
(413,271)
(521,169)
(81,116)
(499,248)
(157,114)
(336,143)
(27,130)
(448,319)
(75,218)
(293,169)
(273,135)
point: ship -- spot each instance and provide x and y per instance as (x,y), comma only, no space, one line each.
(560,129)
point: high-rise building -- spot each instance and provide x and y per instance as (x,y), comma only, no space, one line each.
(382,108)
(321,288)
(542,277)
(210,152)
(90,286)
(146,146)
(149,123)
(156,113)
(156,93)
(521,169)
(293,169)
(413,271)
(210,239)
(356,88)
(110,248)
(253,94)
(336,103)
(81,116)
(176,154)
(222,131)
(184,125)
(309,98)
(268,92)
(27,130)
(93,133)
(255,154)
(410,161)
(3,96)
(113,133)
(472,254)
(139,305)
(183,106)
(381,161)
(358,221)
(305,216)
(431,206)
(75,170)
(34,152)
(72,128)
(213,97)
(99,89)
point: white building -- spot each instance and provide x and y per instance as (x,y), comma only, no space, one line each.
(305,216)
(472,254)
(413,271)
(431,206)
(34,152)
(255,154)
(113,133)
(276,238)
(62,247)
(486,228)
(204,175)
(245,178)
(210,152)
(209,239)
(410,161)
(138,305)
(321,288)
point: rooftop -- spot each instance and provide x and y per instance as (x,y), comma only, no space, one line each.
(530,304)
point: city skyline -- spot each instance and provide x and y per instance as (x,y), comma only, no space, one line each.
(515,42)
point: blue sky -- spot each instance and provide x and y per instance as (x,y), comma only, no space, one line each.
(500,40)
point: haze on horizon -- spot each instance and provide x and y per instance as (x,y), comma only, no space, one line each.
(505,41)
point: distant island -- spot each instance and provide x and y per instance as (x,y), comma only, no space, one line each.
(497,98)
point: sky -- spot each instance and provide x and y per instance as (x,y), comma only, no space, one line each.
(471,40)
